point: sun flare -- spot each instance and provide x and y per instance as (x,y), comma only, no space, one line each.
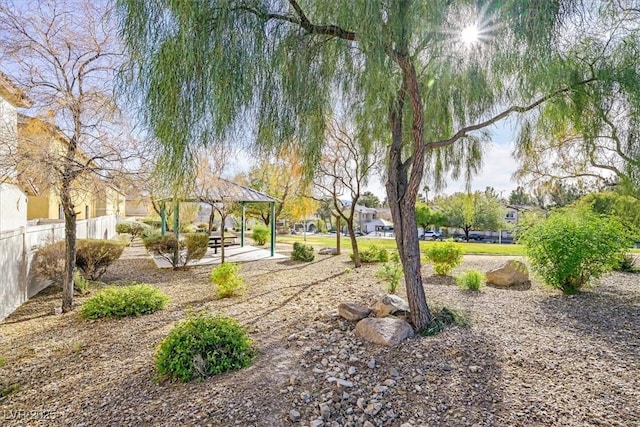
(470,35)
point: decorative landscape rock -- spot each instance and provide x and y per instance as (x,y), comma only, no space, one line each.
(512,273)
(352,311)
(388,331)
(389,304)
(328,251)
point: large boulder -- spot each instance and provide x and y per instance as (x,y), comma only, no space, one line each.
(352,311)
(389,331)
(511,273)
(389,304)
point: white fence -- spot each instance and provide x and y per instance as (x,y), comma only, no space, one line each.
(18,281)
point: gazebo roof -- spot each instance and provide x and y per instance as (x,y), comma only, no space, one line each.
(221,190)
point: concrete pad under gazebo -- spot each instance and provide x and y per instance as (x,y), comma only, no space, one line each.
(232,254)
(221,191)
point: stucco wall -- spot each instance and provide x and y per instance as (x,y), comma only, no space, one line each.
(13,207)
(18,282)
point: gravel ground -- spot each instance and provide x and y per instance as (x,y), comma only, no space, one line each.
(532,357)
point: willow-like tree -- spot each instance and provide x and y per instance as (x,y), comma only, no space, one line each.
(428,77)
(592,135)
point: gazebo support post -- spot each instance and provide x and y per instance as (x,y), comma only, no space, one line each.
(272,205)
(242,225)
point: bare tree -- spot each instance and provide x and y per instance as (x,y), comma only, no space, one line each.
(342,172)
(65,53)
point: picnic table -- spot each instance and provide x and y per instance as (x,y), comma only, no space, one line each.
(216,241)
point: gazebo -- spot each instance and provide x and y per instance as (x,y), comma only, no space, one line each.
(223,191)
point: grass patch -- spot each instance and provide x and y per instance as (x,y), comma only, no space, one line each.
(443,318)
(390,244)
(10,389)
(2,362)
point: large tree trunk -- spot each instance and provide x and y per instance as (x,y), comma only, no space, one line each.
(402,186)
(70,246)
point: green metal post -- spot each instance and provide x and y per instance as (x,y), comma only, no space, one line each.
(163,218)
(273,229)
(242,227)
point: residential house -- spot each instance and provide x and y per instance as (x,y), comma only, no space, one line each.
(41,145)
(13,202)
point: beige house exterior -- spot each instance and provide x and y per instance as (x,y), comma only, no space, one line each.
(43,144)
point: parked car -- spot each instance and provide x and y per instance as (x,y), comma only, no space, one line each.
(431,235)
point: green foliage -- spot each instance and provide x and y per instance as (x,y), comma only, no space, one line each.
(132,228)
(201,346)
(445,256)
(471,280)
(226,279)
(627,263)
(152,222)
(625,208)
(442,318)
(80,284)
(391,273)
(373,254)
(197,245)
(302,252)
(93,256)
(8,390)
(423,215)
(573,248)
(122,301)
(481,210)
(260,234)
(167,247)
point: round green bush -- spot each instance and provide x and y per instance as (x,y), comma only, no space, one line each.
(471,280)
(260,234)
(122,301)
(445,256)
(226,279)
(203,345)
(573,248)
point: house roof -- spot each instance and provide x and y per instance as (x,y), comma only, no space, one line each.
(12,93)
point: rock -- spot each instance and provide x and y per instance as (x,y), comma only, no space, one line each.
(389,304)
(294,416)
(344,383)
(325,411)
(317,423)
(328,251)
(511,273)
(352,311)
(387,331)
(372,363)
(394,372)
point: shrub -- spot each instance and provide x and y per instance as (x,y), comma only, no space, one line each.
(121,301)
(445,256)
(471,280)
(392,274)
(49,262)
(132,228)
(167,246)
(573,248)
(201,346)
(443,318)
(94,256)
(302,252)
(80,284)
(260,234)
(197,245)
(373,254)
(627,263)
(226,279)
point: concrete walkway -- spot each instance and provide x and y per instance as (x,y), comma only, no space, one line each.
(231,254)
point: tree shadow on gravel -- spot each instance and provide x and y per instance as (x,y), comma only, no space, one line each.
(608,313)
